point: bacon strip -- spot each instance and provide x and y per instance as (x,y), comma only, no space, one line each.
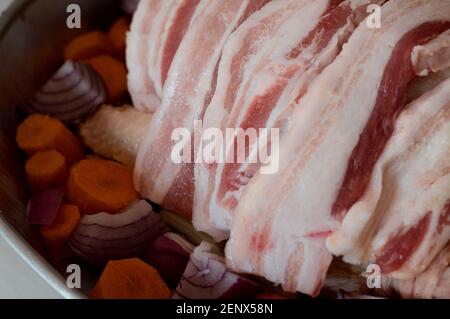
(167,33)
(434,282)
(248,49)
(140,86)
(272,237)
(187,91)
(401,221)
(274,79)
(389,103)
(155,34)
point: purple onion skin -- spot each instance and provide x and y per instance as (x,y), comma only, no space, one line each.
(243,288)
(207,276)
(44,206)
(73,92)
(106,243)
(169,258)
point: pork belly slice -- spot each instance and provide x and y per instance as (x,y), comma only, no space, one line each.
(155,34)
(434,282)
(341,127)
(433,56)
(402,220)
(244,53)
(140,86)
(239,58)
(169,29)
(274,81)
(187,91)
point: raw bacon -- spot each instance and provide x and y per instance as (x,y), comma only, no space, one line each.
(434,282)
(402,220)
(362,173)
(257,87)
(188,88)
(140,86)
(155,34)
(342,125)
(165,37)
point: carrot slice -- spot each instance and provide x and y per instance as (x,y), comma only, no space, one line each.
(117,35)
(96,185)
(46,169)
(66,221)
(113,73)
(130,278)
(55,236)
(41,133)
(87,46)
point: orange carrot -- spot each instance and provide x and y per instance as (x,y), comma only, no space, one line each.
(46,169)
(113,73)
(87,46)
(96,185)
(117,35)
(41,133)
(66,221)
(130,279)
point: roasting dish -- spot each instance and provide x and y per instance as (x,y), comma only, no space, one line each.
(101,191)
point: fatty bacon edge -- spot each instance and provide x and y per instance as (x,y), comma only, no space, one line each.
(188,89)
(342,125)
(261,77)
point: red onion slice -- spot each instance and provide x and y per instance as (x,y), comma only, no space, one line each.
(102,237)
(130,6)
(169,254)
(73,92)
(44,206)
(207,277)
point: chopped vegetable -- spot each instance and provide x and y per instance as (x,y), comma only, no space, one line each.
(130,6)
(185,227)
(113,73)
(97,185)
(42,133)
(57,234)
(117,35)
(74,91)
(169,254)
(115,132)
(102,237)
(87,46)
(46,169)
(207,277)
(130,278)
(44,206)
